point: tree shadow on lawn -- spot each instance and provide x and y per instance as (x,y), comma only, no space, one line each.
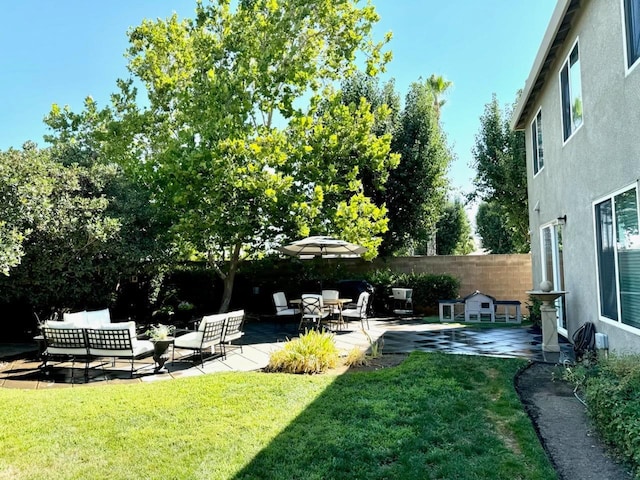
(430,417)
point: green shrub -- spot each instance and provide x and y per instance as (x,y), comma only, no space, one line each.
(313,352)
(427,288)
(533,305)
(613,401)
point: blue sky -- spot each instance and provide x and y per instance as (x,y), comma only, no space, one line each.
(61,51)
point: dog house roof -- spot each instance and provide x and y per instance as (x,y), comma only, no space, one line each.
(478,293)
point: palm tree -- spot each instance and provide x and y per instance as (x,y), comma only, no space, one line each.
(438,86)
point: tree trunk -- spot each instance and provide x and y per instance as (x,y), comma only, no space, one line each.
(229,279)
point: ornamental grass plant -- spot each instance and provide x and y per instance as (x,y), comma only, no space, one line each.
(312,352)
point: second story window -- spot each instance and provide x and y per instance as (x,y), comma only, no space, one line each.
(571,91)
(632,24)
(536,143)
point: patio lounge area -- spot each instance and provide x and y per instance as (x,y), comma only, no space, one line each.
(20,365)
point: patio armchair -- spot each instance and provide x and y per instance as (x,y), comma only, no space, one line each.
(117,340)
(312,309)
(359,312)
(330,295)
(282,306)
(232,330)
(63,340)
(209,334)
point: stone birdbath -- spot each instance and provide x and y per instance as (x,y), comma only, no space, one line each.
(547,295)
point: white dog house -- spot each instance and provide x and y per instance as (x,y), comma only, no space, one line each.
(479,307)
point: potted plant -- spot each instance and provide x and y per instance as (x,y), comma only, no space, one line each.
(160,332)
(160,335)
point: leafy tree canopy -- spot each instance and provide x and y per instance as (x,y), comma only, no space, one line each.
(68,233)
(25,188)
(416,190)
(453,235)
(501,173)
(496,236)
(233,145)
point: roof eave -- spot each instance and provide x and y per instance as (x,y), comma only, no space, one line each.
(554,37)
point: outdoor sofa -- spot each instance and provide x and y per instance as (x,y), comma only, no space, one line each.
(91,335)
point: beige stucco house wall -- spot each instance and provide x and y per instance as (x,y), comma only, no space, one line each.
(600,157)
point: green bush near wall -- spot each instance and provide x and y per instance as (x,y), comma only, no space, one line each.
(427,288)
(189,290)
(613,402)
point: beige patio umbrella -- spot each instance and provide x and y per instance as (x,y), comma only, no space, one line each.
(322,246)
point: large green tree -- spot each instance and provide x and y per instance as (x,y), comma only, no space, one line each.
(501,172)
(496,236)
(416,190)
(384,103)
(453,235)
(232,144)
(70,246)
(25,188)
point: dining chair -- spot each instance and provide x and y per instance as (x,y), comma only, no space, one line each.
(282,306)
(330,295)
(312,309)
(359,312)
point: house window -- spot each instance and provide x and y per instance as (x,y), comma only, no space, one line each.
(632,24)
(618,254)
(536,140)
(571,91)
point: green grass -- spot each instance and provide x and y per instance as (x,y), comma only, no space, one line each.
(435,416)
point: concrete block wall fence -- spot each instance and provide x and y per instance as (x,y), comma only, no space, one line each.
(505,277)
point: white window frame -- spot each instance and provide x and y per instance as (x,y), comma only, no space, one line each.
(625,41)
(567,63)
(618,323)
(535,153)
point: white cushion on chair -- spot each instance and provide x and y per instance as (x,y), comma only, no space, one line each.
(191,340)
(141,347)
(54,324)
(97,318)
(79,319)
(209,318)
(131,326)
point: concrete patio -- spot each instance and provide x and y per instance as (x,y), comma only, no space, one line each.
(20,365)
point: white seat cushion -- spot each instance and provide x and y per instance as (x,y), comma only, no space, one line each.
(65,351)
(288,311)
(97,318)
(131,325)
(138,347)
(191,340)
(233,336)
(79,319)
(351,312)
(60,324)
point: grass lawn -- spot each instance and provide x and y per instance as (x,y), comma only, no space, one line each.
(435,416)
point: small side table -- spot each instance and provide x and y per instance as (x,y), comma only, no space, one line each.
(161,353)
